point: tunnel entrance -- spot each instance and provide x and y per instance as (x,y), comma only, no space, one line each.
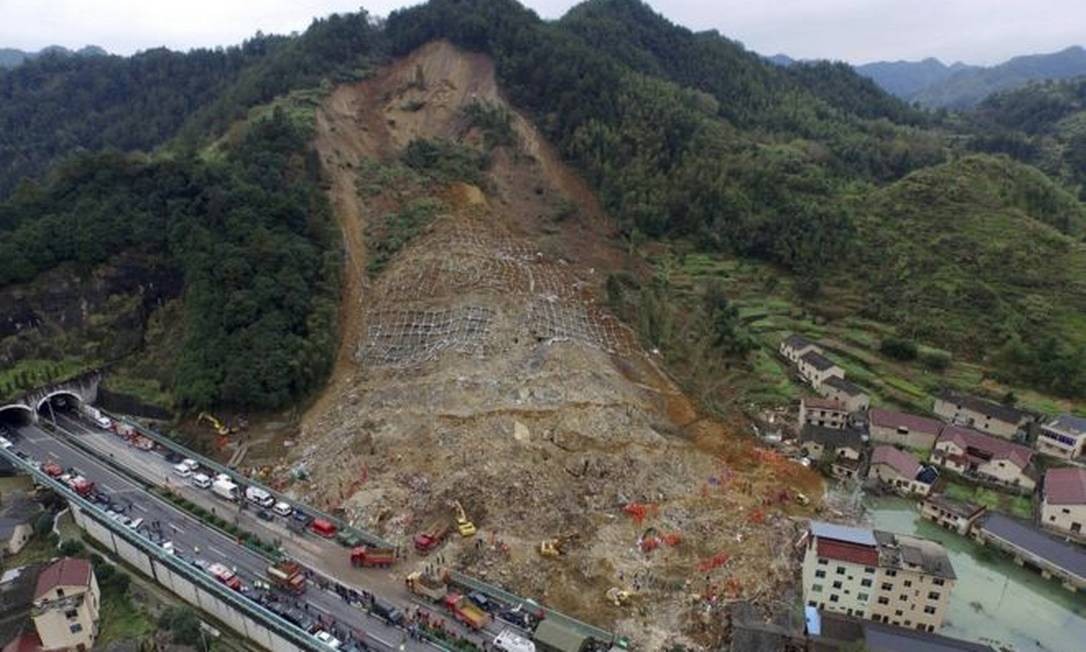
(59,403)
(15,416)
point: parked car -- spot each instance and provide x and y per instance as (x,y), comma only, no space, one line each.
(182,470)
(200,480)
(265,515)
(282,509)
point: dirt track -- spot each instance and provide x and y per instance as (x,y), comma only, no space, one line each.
(479,366)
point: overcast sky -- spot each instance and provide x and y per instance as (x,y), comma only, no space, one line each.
(974,31)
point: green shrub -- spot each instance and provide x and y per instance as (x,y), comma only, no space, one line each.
(899,349)
(936,360)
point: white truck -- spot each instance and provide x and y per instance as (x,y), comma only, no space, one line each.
(93,413)
(510,641)
(225,489)
(258,496)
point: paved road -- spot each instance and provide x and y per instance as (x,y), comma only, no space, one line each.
(188,534)
(324,556)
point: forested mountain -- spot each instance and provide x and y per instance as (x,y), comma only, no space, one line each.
(936,85)
(11,57)
(685,137)
(907,78)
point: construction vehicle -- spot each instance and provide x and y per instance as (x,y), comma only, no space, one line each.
(463,525)
(427,586)
(220,428)
(556,547)
(619,597)
(466,611)
(288,575)
(431,537)
(369,557)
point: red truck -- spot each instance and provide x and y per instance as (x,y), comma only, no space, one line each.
(431,537)
(225,575)
(52,469)
(368,557)
(322,527)
(81,485)
(466,611)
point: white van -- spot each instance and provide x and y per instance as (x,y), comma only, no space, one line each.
(510,641)
(182,470)
(200,480)
(190,463)
(283,509)
(258,496)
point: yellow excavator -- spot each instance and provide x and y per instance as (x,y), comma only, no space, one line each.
(556,547)
(463,525)
(219,427)
(619,597)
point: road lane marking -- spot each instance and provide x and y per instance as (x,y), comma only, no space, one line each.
(142,508)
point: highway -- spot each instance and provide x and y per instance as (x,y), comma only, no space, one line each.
(194,540)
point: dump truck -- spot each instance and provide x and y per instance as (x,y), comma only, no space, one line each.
(427,586)
(288,575)
(466,611)
(431,537)
(370,557)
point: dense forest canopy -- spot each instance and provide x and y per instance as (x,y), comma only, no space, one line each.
(685,136)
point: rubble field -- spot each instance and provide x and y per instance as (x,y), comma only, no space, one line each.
(480,366)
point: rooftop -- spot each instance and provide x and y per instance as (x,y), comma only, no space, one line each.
(880,637)
(853,553)
(1004,413)
(999,449)
(904,463)
(798,342)
(911,422)
(67,571)
(832,437)
(914,553)
(840,384)
(858,535)
(819,403)
(1066,486)
(818,361)
(1069,557)
(955,507)
(1068,423)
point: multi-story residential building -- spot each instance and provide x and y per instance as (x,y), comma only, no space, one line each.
(904,430)
(852,396)
(901,471)
(824,412)
(65,606)
(952,514)
(1063,507)
(1063,437)
(842,448)
(1032,547)
(886,577)
(914,582)
(817,368)
(795,347)
(982,456)
(995,419)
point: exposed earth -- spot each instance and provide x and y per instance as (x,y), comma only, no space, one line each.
(479,365)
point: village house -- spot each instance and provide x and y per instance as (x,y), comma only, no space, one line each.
(822,412)
(65,607)
(851,395)
(817,368)
(903,430)
(975,454)
(795,347)
(1032,548)
(1063,437)
(901,471)
(842,448)
(965,410)
(955,515)
(1063,507)
(17,523)
(892,578)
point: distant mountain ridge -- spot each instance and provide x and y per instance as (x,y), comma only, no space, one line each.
(934,84)
(11,57)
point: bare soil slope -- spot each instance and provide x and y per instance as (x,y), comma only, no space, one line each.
(479,366)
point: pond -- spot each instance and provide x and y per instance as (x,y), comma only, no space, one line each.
(994,601)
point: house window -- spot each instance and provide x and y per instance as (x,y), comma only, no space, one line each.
(60,593)
(865,582)
(891,573)
(938,581)
(840,570)
(884,600)
(860,613)
(817,588)
(898,613)
(886,586)
(823,562)
(75,628)
(1065,510)
(833,598)
(929,609)
(837,585)
(869,570)
(820,573)
(71,613)
(908,622)
(933,595)
(812,603)
(908,583)
(903,597)
(862,597)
